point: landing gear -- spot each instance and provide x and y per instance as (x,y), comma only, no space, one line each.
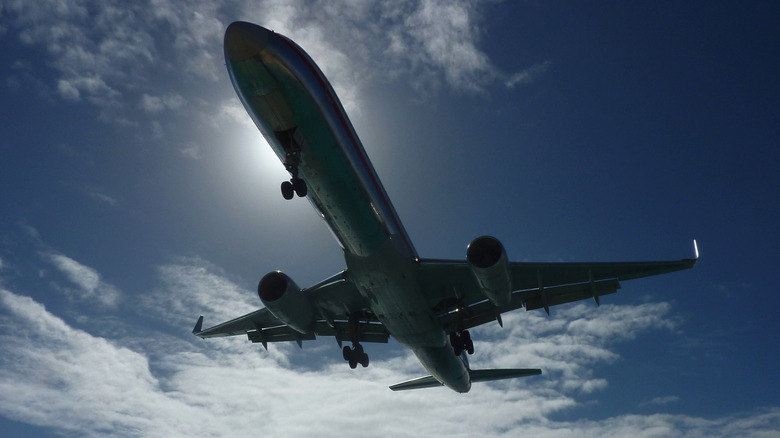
(287,190)
(355,355)
(295,186)
(461,341)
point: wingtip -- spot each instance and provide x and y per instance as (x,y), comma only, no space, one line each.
(198,326)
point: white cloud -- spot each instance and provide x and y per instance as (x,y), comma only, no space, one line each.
(152,384)
(528,75)
(660,401)
(120,56)
(100,196)
(155,104)
(89,285)
(192,150)
(192,285)
(448,35)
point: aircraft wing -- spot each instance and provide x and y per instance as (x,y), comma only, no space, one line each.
(333,300)
(455,295)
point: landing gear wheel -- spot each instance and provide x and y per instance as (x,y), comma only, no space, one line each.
(300,188)
(355,355)
(287,190)
(457,343)
(468,344)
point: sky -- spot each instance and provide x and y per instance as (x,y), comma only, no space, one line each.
(136,195)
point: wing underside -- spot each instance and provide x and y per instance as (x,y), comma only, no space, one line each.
(453,294)
(341,312)
(460,304)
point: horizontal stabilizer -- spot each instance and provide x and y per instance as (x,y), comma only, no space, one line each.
(420,382)
(500,374)
(476,376)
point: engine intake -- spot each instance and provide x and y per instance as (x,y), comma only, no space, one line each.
(285,301)
(489,264)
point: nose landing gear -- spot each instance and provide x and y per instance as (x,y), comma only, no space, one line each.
(296,185)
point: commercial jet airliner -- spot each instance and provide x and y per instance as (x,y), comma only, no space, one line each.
(427,305)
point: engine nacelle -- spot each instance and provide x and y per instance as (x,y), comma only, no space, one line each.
(487,260)
(284,300)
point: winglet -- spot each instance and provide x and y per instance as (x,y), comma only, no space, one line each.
(695,250)
(198,326)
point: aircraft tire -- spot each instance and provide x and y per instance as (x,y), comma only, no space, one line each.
(287,190)
(347,352)
(364,360)
(300,187)
(468,344)
(353,363)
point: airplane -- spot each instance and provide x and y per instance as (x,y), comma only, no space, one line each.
(387,289)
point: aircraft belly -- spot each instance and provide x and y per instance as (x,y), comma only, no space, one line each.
(388,279)
(283,90)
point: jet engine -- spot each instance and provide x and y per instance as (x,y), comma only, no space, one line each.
(487,259)
(284,300)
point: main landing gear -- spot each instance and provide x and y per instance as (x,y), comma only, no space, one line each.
(355,355)
(461,341)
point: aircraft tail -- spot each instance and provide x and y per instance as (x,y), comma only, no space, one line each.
(476,376)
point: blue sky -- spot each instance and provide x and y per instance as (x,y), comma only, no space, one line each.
(135,195)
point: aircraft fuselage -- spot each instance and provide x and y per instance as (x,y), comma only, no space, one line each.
(300,116)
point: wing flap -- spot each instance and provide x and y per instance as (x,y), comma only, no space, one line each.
(544,298)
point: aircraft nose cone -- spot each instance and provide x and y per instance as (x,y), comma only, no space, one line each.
(244,40)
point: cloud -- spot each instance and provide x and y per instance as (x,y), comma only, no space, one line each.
(100,196)
(448,35)
(89,286)
(112,53)
(153,384)
(155,104)
(92,87)
(192,150)
(528,75)
(122,57)
(661,401)
(191,284)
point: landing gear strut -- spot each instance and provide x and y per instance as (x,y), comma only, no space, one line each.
(461,341)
